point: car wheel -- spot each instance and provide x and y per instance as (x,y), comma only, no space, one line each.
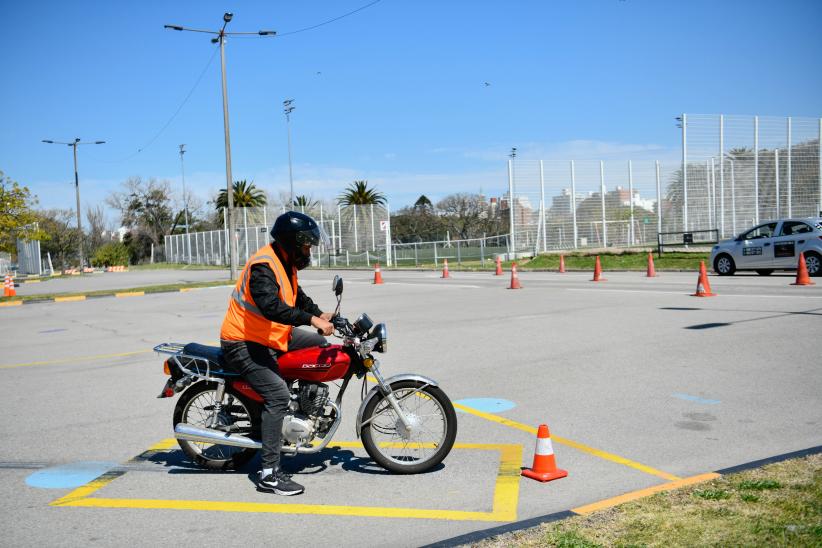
(764,271)
(813,262)
(724,265)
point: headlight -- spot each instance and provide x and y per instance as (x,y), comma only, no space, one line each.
(381,334)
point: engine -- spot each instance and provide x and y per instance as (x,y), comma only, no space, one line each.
(305,417)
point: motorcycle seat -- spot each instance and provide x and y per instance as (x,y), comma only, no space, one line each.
(214,354)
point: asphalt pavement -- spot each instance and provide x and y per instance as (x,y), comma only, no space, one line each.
(639,382)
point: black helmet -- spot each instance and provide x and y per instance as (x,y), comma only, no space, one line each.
(293,230)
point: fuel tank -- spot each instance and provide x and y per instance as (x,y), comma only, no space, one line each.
(316,364)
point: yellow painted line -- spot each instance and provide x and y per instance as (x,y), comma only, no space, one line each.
(70,299)
(78,359)
(634,495)
(130,294)
(506,494)
(11,303)
(187,289)
(570,443)
(32,281)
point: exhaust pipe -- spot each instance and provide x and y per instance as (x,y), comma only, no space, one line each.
(188,432)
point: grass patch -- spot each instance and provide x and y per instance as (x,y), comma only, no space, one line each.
(106,292)
(176,266)
(620,261)
(786,510)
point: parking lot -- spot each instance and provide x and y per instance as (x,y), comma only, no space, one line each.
(639,382)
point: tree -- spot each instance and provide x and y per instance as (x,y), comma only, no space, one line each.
(16,216)
(423,203)
(147,211)
(245,195)
(305,202)
(97,229)
(468,216)
(60,236)
(358,193)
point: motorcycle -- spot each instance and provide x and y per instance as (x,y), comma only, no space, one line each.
(406,422)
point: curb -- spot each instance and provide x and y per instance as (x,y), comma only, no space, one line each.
(477,536)
(117,294)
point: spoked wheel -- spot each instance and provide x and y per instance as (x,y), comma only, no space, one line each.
(433,428)
(196,407)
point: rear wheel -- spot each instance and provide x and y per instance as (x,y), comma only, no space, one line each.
(724,265)
(196,407)
(764,271)
(813,262)
(431,437)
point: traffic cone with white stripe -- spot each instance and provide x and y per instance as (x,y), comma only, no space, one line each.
(562,264)
(12,291)
(802,277)
(514,278)
(499,267)
(545,465)
(6,283)
(703,286)
(598,272)
(445,269)
(377,274)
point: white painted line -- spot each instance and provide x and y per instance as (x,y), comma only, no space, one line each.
(423,284)
(680,293)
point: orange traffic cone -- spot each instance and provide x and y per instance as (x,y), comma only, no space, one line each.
(802,277)
(6,283)
(703,286)
(445,269)
(499,267)
(545,466)
(598,272)
(562,264)
(377,274)
(651,270)
(514,278)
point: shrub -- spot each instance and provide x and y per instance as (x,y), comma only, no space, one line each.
(111,254)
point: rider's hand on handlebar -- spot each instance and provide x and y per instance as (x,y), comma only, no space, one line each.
(327,316)
(324,327)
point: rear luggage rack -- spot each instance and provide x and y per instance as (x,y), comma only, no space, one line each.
(191,365)
(170,348)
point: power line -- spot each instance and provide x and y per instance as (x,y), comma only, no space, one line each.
(330,20)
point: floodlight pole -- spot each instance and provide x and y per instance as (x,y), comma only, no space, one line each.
(220,39)
(288,108)
(185,199)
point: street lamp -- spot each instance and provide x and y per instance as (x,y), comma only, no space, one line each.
(288,107)
(185,199)
(220,39)
(511,213)
(74,144)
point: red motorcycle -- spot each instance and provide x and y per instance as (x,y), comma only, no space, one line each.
(406,422)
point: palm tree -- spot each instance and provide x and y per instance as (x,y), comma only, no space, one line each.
(245,195)
(358,193)
(304,202)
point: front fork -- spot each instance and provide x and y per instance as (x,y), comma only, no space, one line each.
(389,395)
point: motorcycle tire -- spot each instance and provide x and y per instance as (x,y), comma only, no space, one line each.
(193,408)
(400,455)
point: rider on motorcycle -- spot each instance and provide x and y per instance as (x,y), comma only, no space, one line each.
(265,306)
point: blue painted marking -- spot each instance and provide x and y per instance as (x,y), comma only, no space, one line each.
(488,405)
(52,330)
(69,475)
(696,399)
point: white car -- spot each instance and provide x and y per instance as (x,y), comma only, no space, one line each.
(774,245)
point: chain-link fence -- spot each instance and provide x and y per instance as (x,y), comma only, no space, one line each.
(357,236)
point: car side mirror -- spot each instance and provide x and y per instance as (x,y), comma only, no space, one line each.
(337,285)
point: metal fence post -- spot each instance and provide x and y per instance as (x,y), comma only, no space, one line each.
(459,255)
(512,239)
(245,231)
(356,233)
(435,253)
(819,170)
(373,238)
(733,198)
(416,255)
(684,172)
(658,200)
(776,178)
(722,172)
(542,205)
(631,199)
(790,181)
(573,203)
(602,201)
(756,169)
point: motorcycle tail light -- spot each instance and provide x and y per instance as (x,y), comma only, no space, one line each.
(166,369)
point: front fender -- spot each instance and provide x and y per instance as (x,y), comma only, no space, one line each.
(373,392)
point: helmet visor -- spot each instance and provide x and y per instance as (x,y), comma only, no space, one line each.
(313,237)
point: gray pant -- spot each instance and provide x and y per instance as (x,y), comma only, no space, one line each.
(257,364)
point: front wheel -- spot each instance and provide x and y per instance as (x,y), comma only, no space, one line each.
(724,265)
(433,428)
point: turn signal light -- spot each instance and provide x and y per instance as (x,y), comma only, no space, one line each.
(368,362)
(166,370)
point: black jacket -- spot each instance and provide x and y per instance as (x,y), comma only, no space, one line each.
(265,292)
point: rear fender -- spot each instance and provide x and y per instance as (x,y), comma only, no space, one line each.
(375,390)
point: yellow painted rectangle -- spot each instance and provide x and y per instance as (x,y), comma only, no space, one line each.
(70,299)
(130,294)
(187,289)
(11,303)
(506,495)
(32,281)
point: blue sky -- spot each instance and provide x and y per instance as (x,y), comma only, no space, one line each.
(394,93)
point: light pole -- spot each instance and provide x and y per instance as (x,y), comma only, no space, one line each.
(512,213)
(220,39)
(288,107)
(185,199)
(74,144)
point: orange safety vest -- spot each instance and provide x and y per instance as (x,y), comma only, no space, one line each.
(244,321)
